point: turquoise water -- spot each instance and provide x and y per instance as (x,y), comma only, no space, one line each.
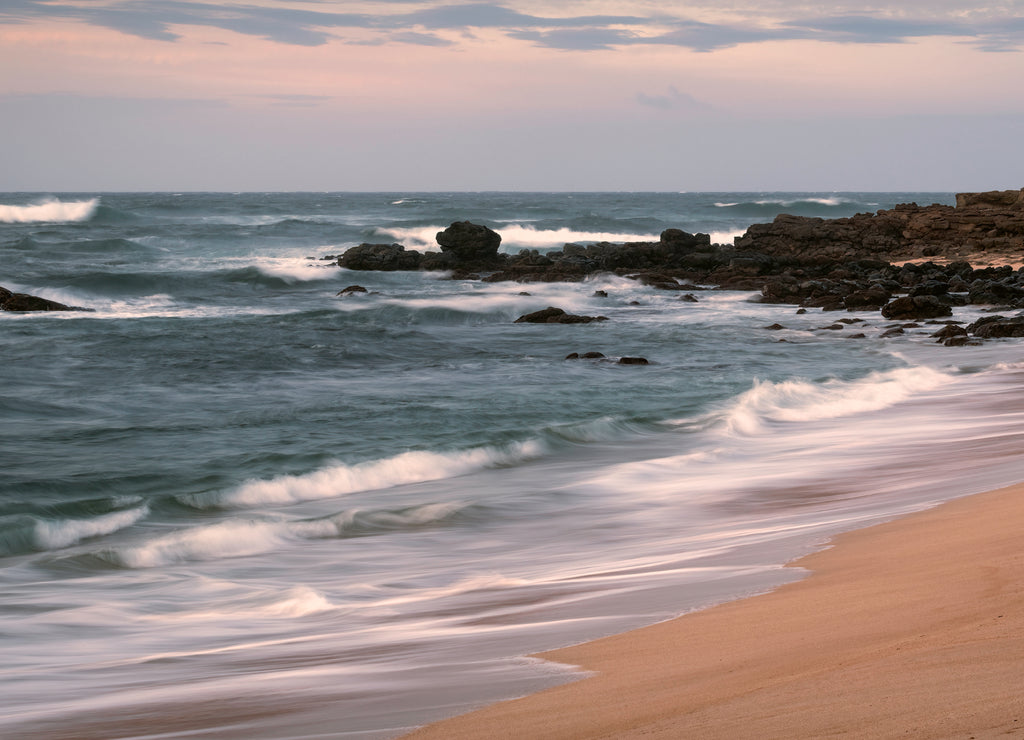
(307,515)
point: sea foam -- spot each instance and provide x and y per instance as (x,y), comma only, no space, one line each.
(515,237)
(50,210)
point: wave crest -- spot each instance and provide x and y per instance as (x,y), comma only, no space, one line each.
(338,480)
(50,210)
(800,400)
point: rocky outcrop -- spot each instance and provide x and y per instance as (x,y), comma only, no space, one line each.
(916,307)
(990,222)
(552,315)
(11,301)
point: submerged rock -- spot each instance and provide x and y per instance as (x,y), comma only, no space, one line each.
(552,315)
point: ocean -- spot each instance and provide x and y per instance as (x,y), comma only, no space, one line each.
(234,504)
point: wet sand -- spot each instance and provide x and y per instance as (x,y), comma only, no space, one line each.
(912,629)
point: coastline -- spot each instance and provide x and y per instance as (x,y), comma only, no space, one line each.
(909,628)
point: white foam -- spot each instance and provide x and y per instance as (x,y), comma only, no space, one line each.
(52,535)
(50,210)
(338,480)
(293,270)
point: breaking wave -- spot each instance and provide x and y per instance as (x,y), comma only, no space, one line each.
(515,237)
(800,400)
(50,210)
(338,480)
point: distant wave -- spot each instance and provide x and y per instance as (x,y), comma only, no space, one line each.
(516,236)
(50,210)
(835,201)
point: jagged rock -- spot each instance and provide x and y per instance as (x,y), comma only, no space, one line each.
(10,301)
(385,257)
(552,315)
(467,242)
(917,307)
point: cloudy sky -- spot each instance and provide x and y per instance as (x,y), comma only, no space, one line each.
(511,95)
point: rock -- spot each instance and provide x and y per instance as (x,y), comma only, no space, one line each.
(893,332)
(592,355)
(833,327)
(386,257)
(951,330)
(573,356)
(10,301)
(689,298)
(996,327)
(916,307)
(352,290)
(775,327)
(552,315)
(467,242)
(633,361)
(600,294)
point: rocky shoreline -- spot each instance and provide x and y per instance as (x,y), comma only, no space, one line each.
(910,262)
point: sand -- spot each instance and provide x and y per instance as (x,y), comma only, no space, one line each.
(910,629)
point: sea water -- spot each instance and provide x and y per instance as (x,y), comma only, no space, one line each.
(235,504)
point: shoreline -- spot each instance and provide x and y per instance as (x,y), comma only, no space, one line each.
(911,628)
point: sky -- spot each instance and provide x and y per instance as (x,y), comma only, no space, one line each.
(407,95)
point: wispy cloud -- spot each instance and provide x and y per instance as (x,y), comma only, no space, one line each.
(425,23)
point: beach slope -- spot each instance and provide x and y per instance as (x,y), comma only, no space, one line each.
(913,629)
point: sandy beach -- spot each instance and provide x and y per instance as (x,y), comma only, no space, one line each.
(913,628)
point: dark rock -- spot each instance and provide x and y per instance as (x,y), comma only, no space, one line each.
(689,298)
(917,307)
(996,327)
(633,361)
(10,301)
(893,332)
(552,315)
(387,257)
(352,289)
(858,335)
(600,294)
(833,327)
(950,330)
(776,327)
(592,355)
(467,242)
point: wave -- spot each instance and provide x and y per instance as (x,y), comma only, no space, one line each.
(800,400)
(514,237)
(247,537)
(50,210)
(338,480)
(27,533)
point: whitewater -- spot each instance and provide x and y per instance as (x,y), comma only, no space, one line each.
(236,504)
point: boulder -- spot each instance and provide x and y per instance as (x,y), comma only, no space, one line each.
(467,242)
(916,307)
(634,361)
(386,257)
